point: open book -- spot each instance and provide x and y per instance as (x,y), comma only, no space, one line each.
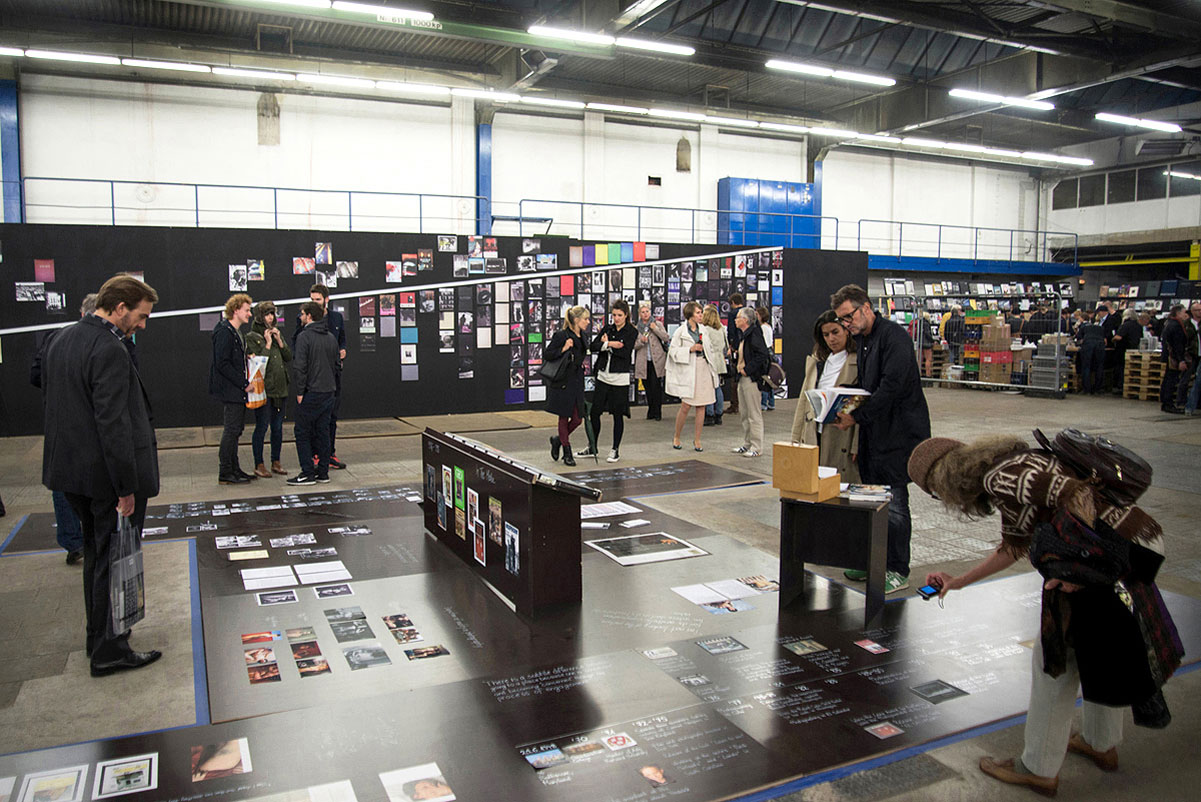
(828,403)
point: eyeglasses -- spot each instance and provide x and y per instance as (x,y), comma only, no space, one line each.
(845,319)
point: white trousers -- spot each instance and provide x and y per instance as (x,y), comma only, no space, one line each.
(1049,720)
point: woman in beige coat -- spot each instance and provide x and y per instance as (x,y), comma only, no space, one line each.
(650,358)
(833,363)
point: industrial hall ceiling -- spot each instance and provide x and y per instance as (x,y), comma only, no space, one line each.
(898,68)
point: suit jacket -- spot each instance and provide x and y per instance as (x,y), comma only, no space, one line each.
(1174,344)
(99,439)
(227,376)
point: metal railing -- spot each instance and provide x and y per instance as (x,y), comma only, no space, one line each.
(170,203)
(939,241)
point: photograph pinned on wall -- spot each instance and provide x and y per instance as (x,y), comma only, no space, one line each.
(516,356)
(740,266)
(406,316)
(327,277)
(527,263)
(548,261)
(659,275)
(702,273)
(30,291)
(687,270)
(512,549)
(56,303)
(652,252)
(496,267)
(387,305)
(62,785)
(428,302)
(424,782)
(535,353)
(533,288)
(490,250)
(323,253)
(447,243)
(441,507)
(446,342)
(446,299)
(537,395)
(406,300)
(598,281)
(477,265)
(777,325)
(461,523)
(575,255)
(473,508)
(517,378)
(256,270)
(225,759)
(483,294)
(531,245)
(500,333)
(496,521)
(408,354)
(483,317)
(126,775)
(393,272)
(475,246)
(409,261)
(644,276)
(552,286)
(461,265)
(367,325)
(425,259)
(387,327)
(43,270)
(466,367)
(367,306)
(673,272)
(465,322)
(348,269)
(517,312)
(517,291)
(727,269)
(480,543)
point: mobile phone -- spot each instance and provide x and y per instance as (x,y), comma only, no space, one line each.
(928,592)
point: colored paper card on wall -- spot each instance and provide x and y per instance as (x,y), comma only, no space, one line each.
(777,296)
(408,335)
(43,270)
(514,396)
(577,257)
(567,285)
(535,337)
(627,251)
(387,327)
(408,373)
(589,256)
(602,253)
(615,253)
(639,249)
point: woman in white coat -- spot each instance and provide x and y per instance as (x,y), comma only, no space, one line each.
(689,374)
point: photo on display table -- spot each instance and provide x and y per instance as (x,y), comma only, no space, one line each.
(423,783)
(313,667)
(58,784)
(271,598)
(720,644)
(426,652)
(348,269)
(224,759)
(261,637)
(937,691)
(347,631)
(332,591)
(447,243)
(366,656)
(345,614)
(126,775)
(305,650)
(639,549)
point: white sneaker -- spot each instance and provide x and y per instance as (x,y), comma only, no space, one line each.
(585,452)
(750,452)
(740,450)
(613,456)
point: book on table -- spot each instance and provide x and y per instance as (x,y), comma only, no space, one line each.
(861,492)
(828,403)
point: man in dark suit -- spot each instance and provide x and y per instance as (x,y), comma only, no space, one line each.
(892,421)
(336,324)
(99,447)
(228,383)
(1174,354)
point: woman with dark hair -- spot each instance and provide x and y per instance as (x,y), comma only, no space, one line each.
(767,399)
(566,398)
(264,339)
(615,344)
(690,377)
(833,363)
(1039,499)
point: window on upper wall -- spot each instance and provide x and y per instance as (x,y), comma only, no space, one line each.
(1064,194)
(1152,183)
(1121,186)
(1184,179)
(1092,190)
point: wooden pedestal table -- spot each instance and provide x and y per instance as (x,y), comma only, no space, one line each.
(838,532)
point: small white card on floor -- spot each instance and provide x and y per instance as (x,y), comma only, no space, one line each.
(605,509)
(633,523)
(699,594)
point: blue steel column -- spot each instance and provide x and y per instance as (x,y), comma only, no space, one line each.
(10,154)
(483,178)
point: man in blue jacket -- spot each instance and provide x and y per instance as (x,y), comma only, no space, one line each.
(228,383)
(336,325)
(892,421)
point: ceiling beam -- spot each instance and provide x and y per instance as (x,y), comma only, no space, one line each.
(1133,15)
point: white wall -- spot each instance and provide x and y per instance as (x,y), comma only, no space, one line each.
(149,132)
(964,198)
(1148,215)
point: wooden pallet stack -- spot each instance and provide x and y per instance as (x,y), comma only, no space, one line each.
(1142,376)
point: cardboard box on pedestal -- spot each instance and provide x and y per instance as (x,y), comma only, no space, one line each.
(794,472)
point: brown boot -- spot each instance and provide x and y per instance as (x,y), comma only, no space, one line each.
(1006,771)
(1106,761)
(261,471)
(277,468)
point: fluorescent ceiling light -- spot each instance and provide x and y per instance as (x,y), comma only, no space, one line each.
(659,47)
(553,101)
(787,128)
(835,132)
(1002,153)
(735,122)
(1075,160)
(618,109)
(55,55)
(792,66)
(415,89)
(300,3)
(987,97)
(1154,125)
(919,142)
(164,65)
(1040,157)
(335,80)
(891,140)
(368,8)
(267,75)
(864,78)
(964,147)
(574,36)
(677,115)
(11,51)
(1178,174)
(486,94)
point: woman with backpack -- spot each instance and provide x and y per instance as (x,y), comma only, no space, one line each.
(1092,631)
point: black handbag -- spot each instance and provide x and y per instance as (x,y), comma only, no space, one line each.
(1117,472)
(556,371)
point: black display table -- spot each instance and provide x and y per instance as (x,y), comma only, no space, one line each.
(842,533)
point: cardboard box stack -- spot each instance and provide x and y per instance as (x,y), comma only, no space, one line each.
(996,358)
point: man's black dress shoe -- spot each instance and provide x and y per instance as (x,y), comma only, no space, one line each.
(244,475)
(232,479)
(126,663)
(74,556)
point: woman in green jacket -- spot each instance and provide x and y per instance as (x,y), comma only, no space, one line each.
(264,339)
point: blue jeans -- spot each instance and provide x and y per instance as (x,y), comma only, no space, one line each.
(269,414)
(767,400)
(312,433)
(900,529)
(718,407)
(68,531)
(1194,394)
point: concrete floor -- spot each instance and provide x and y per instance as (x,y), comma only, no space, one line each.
(1155,765)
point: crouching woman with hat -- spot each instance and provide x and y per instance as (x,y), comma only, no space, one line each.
(1104,626)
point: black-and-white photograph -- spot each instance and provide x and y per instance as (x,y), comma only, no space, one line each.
(366,656)
(446,342)
(516,378)
(517,291)
(429,301)
(483,316)
(658,276)
(237,278)
(461,266)
(495,266)
(344,614)
(273,597)
(31,291)
(531,246)
(346,631)
(526,264)
(333,591)
(447,243)
(348,269)
(56,303)
(483,294)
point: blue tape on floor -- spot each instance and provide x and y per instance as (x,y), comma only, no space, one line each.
(199,675)
(13,533)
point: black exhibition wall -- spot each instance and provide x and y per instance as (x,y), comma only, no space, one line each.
(189,267)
